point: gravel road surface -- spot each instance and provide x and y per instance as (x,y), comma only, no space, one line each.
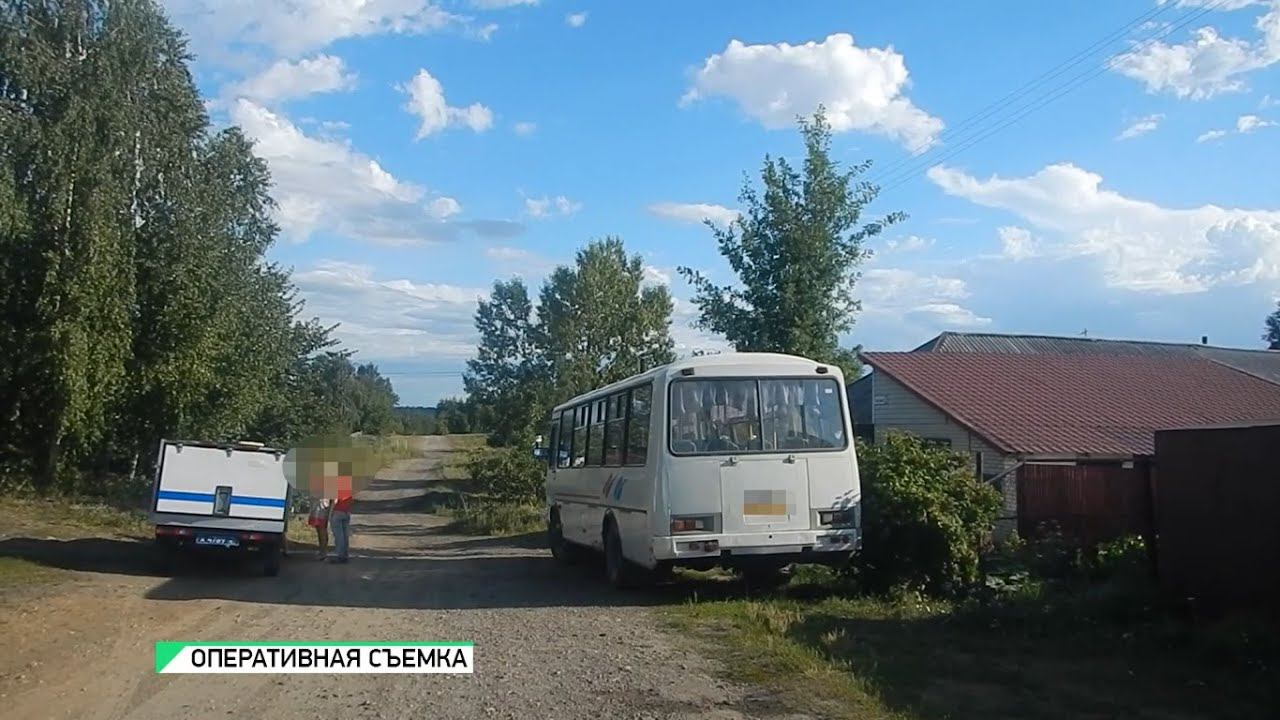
(550,642)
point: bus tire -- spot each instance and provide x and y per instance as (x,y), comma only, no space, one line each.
(619,571)
(561,549)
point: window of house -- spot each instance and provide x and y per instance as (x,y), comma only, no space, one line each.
(580,435)
(615,422)
(637,428)
(595,434)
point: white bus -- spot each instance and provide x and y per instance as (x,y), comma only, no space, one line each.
(740,460)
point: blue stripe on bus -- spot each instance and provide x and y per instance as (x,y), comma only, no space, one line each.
(208,497)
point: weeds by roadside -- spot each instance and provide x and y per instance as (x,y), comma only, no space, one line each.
(68,517)
(498,518)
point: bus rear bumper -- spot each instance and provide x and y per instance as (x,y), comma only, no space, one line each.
(827,546)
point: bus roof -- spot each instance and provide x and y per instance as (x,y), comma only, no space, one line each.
(730,363)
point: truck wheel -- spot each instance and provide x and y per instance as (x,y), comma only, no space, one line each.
(271,560)
(165,560)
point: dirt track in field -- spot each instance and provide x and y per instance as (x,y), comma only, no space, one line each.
(550,641)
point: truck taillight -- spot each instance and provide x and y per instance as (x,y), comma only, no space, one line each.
(170,530)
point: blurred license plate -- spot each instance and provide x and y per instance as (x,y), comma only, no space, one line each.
(217,540)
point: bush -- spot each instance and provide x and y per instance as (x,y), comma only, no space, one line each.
(507,474)
(926,518)
(499,518)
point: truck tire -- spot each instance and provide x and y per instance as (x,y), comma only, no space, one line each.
(271,560)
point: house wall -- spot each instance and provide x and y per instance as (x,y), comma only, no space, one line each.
(896,408)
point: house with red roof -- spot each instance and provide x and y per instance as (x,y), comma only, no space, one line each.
(1008,400)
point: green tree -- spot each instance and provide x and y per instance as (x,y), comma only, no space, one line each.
(509,374)
(598,322)
(796,249)
(1272,336)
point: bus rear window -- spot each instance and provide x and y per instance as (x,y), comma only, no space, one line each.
(718,416)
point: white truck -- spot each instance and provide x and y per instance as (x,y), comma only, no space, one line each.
(220,498)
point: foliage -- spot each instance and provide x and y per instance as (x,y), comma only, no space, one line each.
(596,323)
(499,518)
(796,249)
(925,517)
(508,373)
(1272,335)
(136,299)
(507,474)
(414,420)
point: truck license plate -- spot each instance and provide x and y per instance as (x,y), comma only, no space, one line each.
(218,540)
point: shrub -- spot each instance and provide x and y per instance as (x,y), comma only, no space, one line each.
(925,517)
(507,474)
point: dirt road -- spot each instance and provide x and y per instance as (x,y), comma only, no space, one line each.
(550,642)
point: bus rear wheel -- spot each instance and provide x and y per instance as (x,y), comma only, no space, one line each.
(561,549)
(619,571)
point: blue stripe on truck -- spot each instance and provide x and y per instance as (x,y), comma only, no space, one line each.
(208,497)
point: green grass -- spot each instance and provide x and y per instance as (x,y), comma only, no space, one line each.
(491,518)
(16,572)
(850,657)
(68,518)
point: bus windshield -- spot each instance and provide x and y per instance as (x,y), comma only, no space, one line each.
(732,415)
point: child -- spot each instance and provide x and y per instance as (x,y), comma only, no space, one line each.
(319,519)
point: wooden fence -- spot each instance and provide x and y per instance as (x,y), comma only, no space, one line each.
(1088,503)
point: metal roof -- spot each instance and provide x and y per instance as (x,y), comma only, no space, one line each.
(1083,403)
(1264,364)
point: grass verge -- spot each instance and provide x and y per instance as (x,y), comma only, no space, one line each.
(69,518)
(493,518)
(866,658)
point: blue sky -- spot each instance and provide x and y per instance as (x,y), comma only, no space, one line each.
(423,148)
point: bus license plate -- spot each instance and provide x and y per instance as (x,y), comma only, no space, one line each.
(218,541)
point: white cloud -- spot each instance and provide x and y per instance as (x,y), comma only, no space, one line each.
(499,4)
(899,294)
(687,337)
(576,20)
(1219,5)
(486,32)
(1268,101)
(426,102)
(1141,126)
(694,212)
(290,28)
(1017,243)
(545,207)
(1210,135)
(443,207)
(1207,64)
(1246,124)
(391,319)
(910,243)
(862,88)
(288,80)
(325,183)
(1137,244)
(525,128)
(656,275)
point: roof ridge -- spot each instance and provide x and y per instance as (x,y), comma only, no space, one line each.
(1078,338)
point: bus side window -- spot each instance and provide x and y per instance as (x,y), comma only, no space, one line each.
(553,442)
(564,452)
(614,424)
(595,436)
(638,425)
(580,435)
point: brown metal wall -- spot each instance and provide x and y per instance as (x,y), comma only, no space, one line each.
(1090,503)
(1218,513)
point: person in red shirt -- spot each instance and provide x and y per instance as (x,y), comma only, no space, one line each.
(340,516)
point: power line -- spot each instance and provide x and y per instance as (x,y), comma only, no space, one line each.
(1049,74)
(899,178)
